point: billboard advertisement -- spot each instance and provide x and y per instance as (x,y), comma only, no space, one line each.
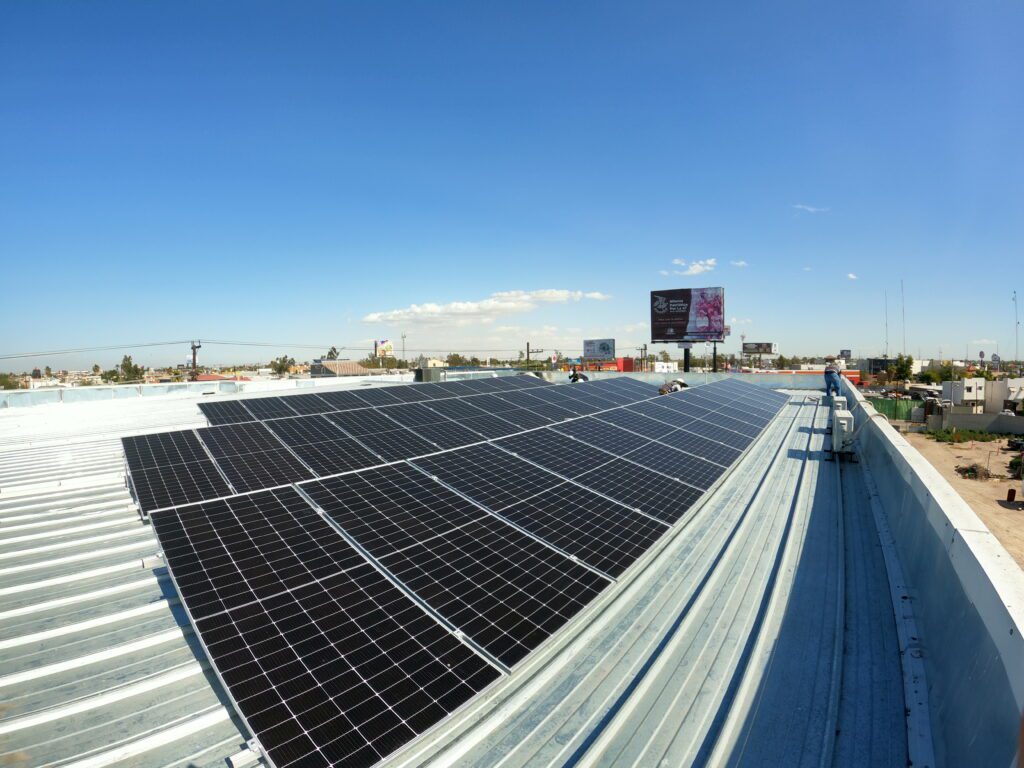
(760,348)
(688,314)
(846,354)
(384,348)
(599,349)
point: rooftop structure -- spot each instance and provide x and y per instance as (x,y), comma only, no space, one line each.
(760,629)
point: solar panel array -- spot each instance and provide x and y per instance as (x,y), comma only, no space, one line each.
(374,565)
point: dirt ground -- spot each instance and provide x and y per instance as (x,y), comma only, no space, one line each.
(986,497)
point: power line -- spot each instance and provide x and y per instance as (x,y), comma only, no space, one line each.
(48,353)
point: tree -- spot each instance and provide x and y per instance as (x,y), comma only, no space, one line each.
(281,365)
(96,369)
(664,357)
(930,377)
(129,371)
(902,370)
(48,372)
(455,359)
(332,353)
(8,381)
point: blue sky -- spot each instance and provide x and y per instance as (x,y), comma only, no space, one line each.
(306,172)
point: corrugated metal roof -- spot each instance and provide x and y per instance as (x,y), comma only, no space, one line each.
(726,643)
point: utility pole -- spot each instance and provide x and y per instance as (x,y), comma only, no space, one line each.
(530,352)
(403,350)
(1016,333)
(196,345)
(903,303)
(886,325)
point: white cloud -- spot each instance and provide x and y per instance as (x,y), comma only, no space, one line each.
(807,269)
(984,341)
(663,272)
(810,208)
(739,263)
(634,327)
(740,321)
(695,267)
(483,311)
(850,276)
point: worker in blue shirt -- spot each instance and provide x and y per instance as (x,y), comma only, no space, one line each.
(832,376)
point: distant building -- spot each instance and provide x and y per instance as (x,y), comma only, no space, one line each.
(966,395)
(877,365)
(322,367)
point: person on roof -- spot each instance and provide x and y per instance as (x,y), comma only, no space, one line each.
(575,376)
(676,385)
(832,376)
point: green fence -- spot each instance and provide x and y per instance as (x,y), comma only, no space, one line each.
(894,409)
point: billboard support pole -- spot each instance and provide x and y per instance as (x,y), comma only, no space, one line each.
(714,357)
(686,360)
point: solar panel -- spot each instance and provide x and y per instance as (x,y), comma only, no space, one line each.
(690,469)
(602,533)
(414,415)
(408,393)
(489,426)
(701,446)
(609,394)
(448,434)
(377,396)
(364,421)
(161,449)
(603,435)
(735,425)
(554,396)
(269,407)
(636,423)
(308,404)
(230,552)
(456,389)
(662,497)
(492,477)
(503,589)
(300,430)
(476,386)
(251,457)
(253,471)
(548,410)
(663,415)
(173,484)
(494,403)
(321,445)
(398,444)
(564,456)
(358,670)
(226,412)
(672,402)
(456,409)
(525,418)
(389,508)
(338,670)
(746,415)
(580,393)
(719,435)
(345,400)
(233,439)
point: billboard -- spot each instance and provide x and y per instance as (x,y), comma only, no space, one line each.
(599,349)
(688,314)
(760,348)
(384,348)
(846,354)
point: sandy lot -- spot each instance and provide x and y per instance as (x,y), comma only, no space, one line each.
(984,496)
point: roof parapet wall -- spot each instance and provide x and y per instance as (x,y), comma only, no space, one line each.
(966,594)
